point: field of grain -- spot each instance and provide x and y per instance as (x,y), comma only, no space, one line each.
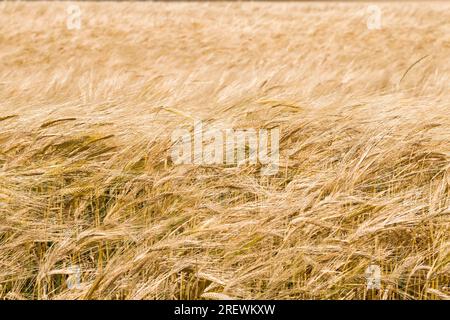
(93,207)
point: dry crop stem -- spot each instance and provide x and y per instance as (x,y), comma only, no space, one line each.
(86,180)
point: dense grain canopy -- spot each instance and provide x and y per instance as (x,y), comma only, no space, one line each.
(92,207)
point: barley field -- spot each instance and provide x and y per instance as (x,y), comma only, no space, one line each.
(92,205)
